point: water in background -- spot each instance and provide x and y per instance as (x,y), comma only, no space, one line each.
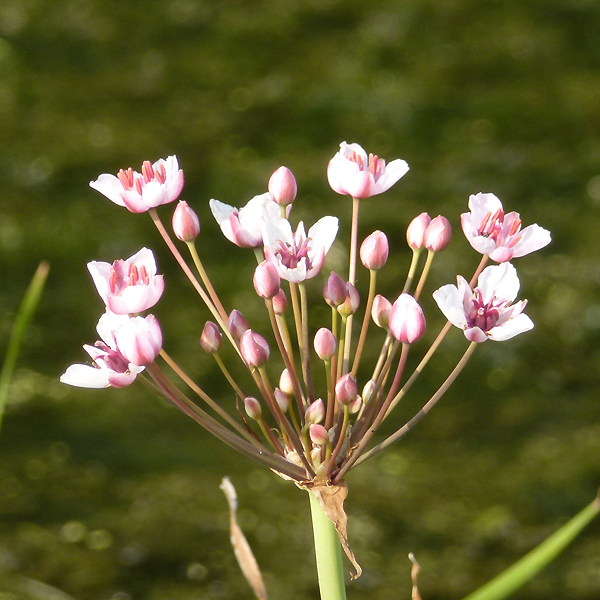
(111,495)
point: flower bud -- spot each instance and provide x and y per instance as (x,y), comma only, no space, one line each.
(211,338)
(368,390)
(407,321)
(318,434)
(267,282)
(282,186)
(381,311)
(139,340)
(351,303)
(416,231)
(279,302)
(325,344)
(334,291)
(437,234)
(237,324)
(253,409)
(315,413)
(285,383)
(282,399)
(374,251)
(186,225)
(254,348)
(346,389)
(355,406)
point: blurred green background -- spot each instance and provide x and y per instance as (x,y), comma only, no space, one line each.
(111,495)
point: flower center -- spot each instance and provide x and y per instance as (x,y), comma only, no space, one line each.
(135,276)
(112,360)
(484,316)
(130,179)
(290,255)
(376,165)
(491,227)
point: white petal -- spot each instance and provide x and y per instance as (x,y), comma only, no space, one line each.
(450,301)
(511,328)
(85,376)
(109,186)
(533,238)
(323,232)
(501,282)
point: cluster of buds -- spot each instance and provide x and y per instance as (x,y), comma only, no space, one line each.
(309,434)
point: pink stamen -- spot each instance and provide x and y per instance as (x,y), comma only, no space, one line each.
(484,223)
(144,275)
(514,241)
(161,174)
(138,186)
(373,160)
(133,275)
(126,178)
(112,280)
(514,227)
(147,171)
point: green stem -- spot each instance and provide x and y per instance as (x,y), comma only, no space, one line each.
(329,554)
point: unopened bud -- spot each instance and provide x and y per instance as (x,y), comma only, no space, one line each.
(286,384)
(253,409)
(381,311)
(186,225)
(279,302)
(346,389)
(237,324)
(315,413)
(368,390)
(254,348)
(282,399)
(211,337)
(437,235)
(318,434)
(415,233)
(325,344)
(334,291)
(282,186)
(374,251)
(407,321)
(355,406)
(351,303)
(267,282)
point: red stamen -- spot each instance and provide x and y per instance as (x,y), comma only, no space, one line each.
(484,223)
(126,178)
(138,185)
(373,159)
(133,275)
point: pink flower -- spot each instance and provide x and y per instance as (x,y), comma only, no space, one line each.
(486,312)
(298,256)
(282,186)
(267,282)
(500,236)
(354,173)
(406,320)
(139,340)
(110,367)
(243,226)
(128,286)
(254,348)
(325,344)
(415,233)
(374,251)
(186,224)
(158,183)
(437,235)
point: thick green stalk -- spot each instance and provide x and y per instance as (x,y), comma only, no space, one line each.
(329,554)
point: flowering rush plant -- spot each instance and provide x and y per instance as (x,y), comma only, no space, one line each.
(312,436)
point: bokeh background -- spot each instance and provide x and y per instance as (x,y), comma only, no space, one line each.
(111,495)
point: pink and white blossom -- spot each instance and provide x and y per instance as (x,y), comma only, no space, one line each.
(128,286)
(406,320)
(298,256)
(110,367)
(158,183)
(486,312)
(139,340)
(499,235)
(354,173)
(243,226)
